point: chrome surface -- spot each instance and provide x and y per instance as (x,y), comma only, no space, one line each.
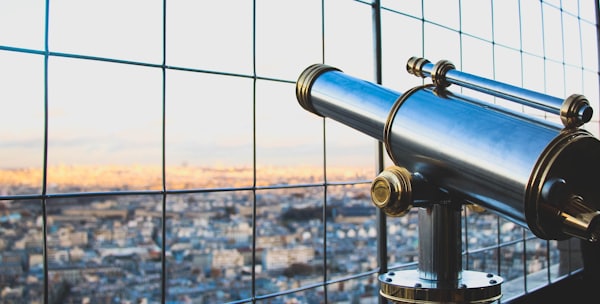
(357,103)
(440,277)
(407,287)
(440,255)
(387,128)
(443,74)
(483,153)
(479,152)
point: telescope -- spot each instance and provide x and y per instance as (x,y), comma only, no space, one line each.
(451,150)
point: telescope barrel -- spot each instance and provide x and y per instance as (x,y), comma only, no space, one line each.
(360,104)
(479,152)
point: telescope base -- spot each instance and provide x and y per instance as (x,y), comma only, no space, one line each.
(407,287)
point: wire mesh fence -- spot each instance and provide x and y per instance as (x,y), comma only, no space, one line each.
(155,152)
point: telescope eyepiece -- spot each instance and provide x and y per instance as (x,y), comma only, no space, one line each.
(580,220)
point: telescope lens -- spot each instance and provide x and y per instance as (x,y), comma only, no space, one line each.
(585,113)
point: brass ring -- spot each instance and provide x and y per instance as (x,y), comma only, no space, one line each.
(387,128)
(575,111)
(305,82)
(438,74)
(415,66)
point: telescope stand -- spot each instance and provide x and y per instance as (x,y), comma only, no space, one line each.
(440,277)
(535,173)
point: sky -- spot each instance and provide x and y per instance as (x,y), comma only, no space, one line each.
(102,112)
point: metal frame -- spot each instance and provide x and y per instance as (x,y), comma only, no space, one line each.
(44,196)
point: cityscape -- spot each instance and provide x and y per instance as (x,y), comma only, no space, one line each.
(107,247)
(155,153)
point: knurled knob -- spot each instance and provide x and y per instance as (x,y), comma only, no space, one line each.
(391,191)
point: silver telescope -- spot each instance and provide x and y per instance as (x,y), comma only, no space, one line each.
(533,172)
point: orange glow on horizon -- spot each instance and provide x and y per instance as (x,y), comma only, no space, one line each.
(141,177)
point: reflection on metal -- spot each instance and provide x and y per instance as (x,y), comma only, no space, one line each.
(451,150)
(406,287)
(439,277)
(574,111)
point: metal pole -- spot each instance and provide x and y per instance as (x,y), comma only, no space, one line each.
(440,243)
(574,111)
(440,278)
(381,218)
(519,95)
(598,43)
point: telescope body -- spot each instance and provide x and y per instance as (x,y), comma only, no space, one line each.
(505,161)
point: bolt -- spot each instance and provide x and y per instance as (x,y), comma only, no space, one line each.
(489,275)
(463,286)
(388,280)
(418,285)
(493,282)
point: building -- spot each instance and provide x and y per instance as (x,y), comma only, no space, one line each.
(152,157)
